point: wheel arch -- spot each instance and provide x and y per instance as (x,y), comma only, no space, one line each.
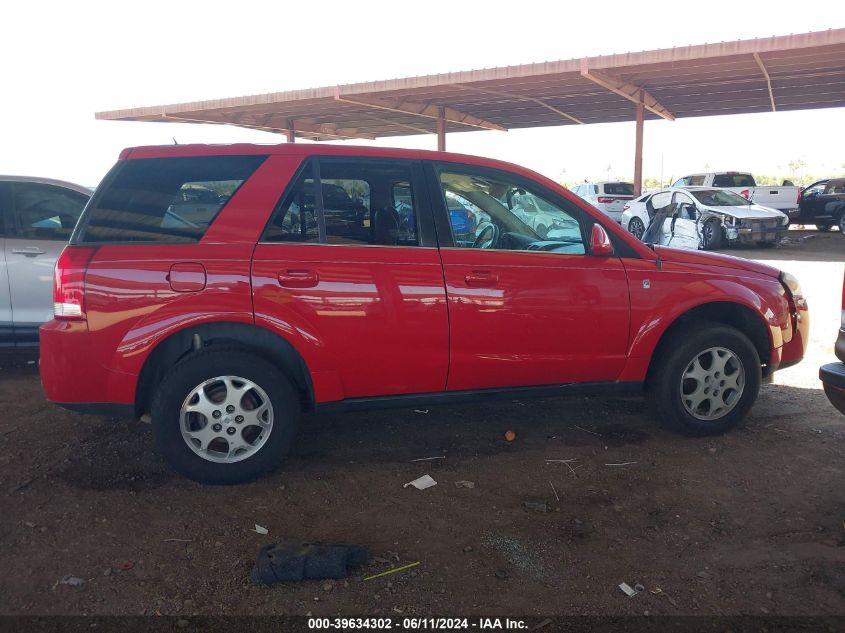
(255,339)
(731,313)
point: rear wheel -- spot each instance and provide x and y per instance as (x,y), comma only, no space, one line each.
(712,235)
(636,228)
(842,224)
(704,383)
(824,227)
(224,416)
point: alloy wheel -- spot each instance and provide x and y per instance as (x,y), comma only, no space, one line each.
(636,228)
(712,384)
(226,419)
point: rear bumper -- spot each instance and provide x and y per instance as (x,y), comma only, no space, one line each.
(72,377)
(833,379)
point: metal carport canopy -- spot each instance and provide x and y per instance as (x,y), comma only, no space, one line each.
(790,72)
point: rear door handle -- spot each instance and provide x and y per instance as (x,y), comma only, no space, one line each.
(29,251)
(482,279)
(299,278)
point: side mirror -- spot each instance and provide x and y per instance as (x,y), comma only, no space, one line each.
(600,244)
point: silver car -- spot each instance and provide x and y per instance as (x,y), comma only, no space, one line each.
(37,216)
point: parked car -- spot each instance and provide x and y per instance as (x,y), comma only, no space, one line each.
(543,218)
(833,375)
(823,204)
(783,198)
(702,218)
(37,216)
(225,334)
(607,197)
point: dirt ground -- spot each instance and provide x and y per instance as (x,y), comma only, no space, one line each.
(749,523)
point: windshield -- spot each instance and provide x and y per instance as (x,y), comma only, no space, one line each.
(719,198)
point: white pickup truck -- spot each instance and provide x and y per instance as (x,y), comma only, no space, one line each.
(783,198)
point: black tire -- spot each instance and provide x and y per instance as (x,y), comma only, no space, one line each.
(184,377)
(824,227)
(842,224)
(636,228)
(712,235)
(676,353)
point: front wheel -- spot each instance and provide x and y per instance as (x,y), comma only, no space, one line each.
(842,224)
(636,228)
(712,235)
(704,382)
(224,416)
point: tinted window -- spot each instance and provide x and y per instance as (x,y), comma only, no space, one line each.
(165,199)
(296,218)
(46,212)
(364,202)
(507,214)
(696,181)
(733,180)
(835,186)
(5,207)
(619,189)
(368,202)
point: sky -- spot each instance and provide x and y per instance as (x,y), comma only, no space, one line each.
(63,61)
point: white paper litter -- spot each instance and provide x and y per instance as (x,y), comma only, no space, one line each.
(260,529)
(631,591)
(422,483)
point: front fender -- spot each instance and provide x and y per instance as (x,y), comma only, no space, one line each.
(652,313)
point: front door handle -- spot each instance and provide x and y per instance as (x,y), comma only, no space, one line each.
(29,251)
(299,278)
(482,279)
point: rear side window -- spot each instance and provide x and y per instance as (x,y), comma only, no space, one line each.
(361,203)
(172,200)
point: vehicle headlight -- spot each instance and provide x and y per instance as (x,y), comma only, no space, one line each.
(784,220)
(791,284)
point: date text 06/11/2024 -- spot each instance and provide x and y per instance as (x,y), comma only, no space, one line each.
(413,624)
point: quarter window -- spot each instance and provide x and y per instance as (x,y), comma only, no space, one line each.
(165,199)
(493,212)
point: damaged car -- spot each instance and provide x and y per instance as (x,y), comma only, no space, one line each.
(702,218)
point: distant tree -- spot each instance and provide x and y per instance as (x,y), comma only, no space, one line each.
(795,168)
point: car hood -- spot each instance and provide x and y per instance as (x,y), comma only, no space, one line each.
(686,256)
(747,212)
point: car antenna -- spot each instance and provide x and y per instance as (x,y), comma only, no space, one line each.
(175,142)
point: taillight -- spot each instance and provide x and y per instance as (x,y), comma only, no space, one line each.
(744,193)
(605,200)
(69,283)
(798,199)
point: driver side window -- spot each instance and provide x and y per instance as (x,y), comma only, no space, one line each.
(494,212)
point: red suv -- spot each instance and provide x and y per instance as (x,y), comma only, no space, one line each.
(225,290)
